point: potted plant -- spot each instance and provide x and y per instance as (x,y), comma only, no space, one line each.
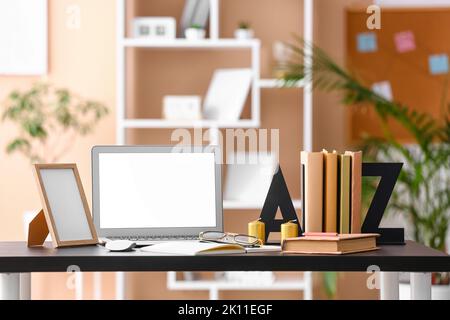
(422,194)
(195,32)
(48,120)
(244,31)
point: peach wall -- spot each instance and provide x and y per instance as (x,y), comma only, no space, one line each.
(84,61)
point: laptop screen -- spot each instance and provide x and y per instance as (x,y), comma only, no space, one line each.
(157,190)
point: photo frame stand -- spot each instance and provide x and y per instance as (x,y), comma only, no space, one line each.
(37,230)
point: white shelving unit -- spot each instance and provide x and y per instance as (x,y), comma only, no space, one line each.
(192,44)
(161,123)
(213,43)
(276,83)
(215,286)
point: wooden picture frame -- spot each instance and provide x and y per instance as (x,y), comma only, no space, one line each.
(55,222)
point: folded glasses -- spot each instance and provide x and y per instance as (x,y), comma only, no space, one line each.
(231,238)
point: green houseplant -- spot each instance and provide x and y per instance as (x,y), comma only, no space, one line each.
(422,193)
(48,119)
(243,25)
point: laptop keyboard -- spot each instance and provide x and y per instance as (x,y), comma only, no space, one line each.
(155,238)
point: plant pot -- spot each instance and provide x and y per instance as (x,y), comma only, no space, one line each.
(243,34)
(194,34)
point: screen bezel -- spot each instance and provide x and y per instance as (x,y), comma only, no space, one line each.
(146,232)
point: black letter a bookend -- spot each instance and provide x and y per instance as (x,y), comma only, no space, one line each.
(278,197)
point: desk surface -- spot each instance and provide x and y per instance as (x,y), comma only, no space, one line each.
(412,257)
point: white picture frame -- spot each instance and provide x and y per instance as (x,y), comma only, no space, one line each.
(65,206)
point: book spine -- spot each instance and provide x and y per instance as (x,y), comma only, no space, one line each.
(344,194)
(356,192)
(330,191)
(312,180)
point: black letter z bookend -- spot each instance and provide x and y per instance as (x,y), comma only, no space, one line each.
(278,197)
(389,173)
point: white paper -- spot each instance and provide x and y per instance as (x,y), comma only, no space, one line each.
(23,37)
(226,94)
(383,89)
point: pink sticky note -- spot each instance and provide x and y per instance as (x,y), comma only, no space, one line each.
(404,41)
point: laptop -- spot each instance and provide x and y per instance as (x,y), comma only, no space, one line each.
(153,194)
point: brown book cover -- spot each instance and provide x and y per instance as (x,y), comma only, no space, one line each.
(330,190)
(334,244)
(312,190)
(355,187)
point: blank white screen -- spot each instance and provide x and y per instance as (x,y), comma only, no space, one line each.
(66,205)
(157,190)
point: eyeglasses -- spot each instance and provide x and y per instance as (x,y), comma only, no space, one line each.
(233,238)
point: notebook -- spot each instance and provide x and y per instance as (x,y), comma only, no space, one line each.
(198,248)
(331,244)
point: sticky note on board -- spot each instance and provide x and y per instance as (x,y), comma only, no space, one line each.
(438,63)
(384,89)
(366,42)
(405,41)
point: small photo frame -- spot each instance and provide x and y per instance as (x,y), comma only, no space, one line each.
(65,207)
(159,28)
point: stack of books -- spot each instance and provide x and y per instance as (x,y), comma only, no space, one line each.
(331,191)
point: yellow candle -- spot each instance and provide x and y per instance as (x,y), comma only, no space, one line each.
(289,230)
(257,229)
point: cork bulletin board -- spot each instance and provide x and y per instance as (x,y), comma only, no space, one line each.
(412,79)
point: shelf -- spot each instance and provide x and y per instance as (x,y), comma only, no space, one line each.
(242,205)
(161,123)
(277,83)
(285,284)
(191,44)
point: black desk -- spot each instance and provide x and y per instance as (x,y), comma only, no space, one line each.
(16,258)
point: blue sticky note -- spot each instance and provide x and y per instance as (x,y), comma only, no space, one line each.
(366,42)
(438,63)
